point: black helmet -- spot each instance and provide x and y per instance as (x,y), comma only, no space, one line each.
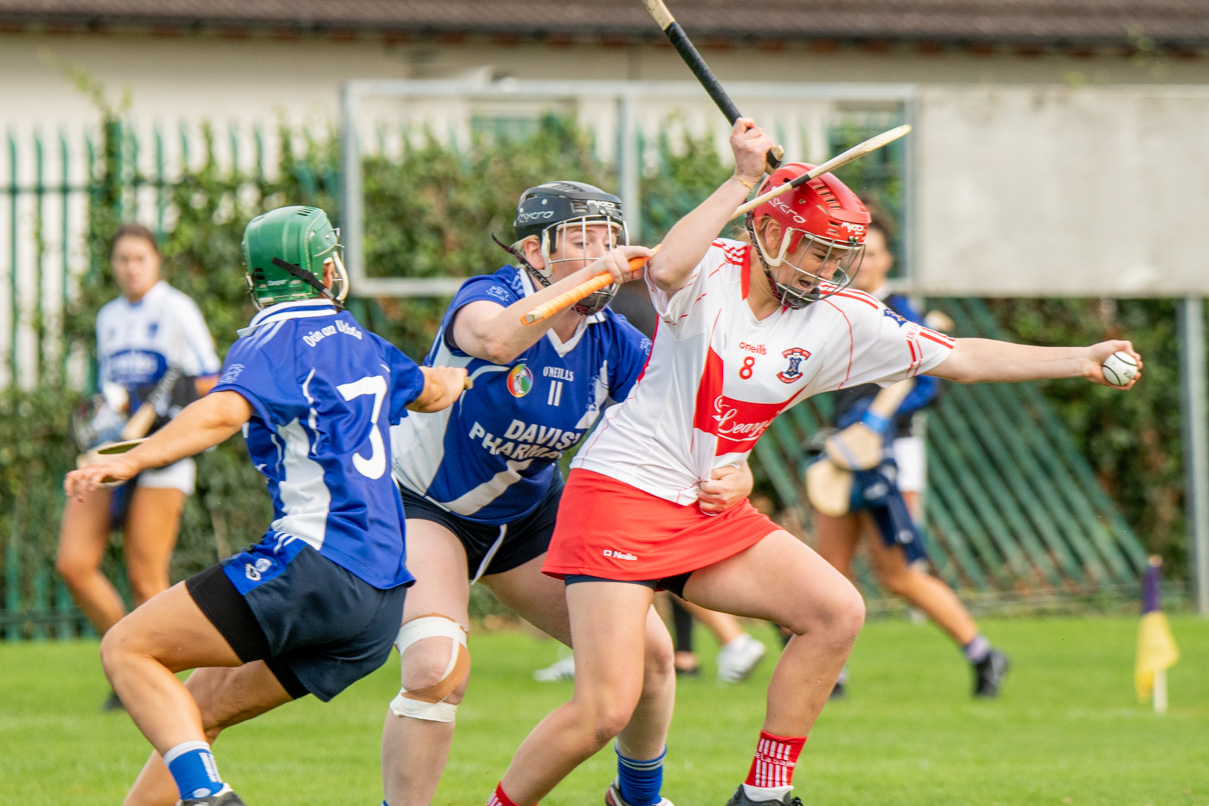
(545,209)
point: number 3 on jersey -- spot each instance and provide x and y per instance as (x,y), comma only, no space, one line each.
(375,385)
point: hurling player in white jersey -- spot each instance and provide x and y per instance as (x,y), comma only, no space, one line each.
(315,605)
(150,330)
(745,331)
(481,483)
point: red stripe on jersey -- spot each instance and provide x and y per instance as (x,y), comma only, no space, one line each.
(859,296)
(917,357)
(939,338)
(851,339)
(746,264)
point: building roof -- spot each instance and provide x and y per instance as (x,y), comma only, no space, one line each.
(1134,24)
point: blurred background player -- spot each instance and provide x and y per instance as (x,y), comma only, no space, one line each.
(886,499)
(315,605)
(481,483)
(746,330)
(149,331)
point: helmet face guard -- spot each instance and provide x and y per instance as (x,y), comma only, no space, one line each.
(552,213)
(824,216)
(824,268)
(284,253)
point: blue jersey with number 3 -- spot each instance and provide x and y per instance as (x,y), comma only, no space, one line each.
(324,391)
(491,456)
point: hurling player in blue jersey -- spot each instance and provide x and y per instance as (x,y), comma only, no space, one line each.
(315,605)
(481,485)
(885,501)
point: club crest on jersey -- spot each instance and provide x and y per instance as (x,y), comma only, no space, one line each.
(520,380)
(892,315)
(796,356)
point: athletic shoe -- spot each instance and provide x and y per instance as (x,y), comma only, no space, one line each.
(113,703)
(559,670)
(989,673)
(740,799)
(223,797)
(613,796)
(737,659)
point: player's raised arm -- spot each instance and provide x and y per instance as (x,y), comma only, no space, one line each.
(983,360)
(687,241)
(201,425)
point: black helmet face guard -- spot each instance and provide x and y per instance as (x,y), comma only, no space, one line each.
(563,217)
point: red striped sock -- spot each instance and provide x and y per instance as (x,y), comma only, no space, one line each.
(774,760)
(498,798)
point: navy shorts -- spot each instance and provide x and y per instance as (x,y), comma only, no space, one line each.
(524,538)
(319,627)
(876,492)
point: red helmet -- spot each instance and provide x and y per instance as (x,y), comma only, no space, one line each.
(824,210)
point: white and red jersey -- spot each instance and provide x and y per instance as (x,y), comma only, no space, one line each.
(717,376)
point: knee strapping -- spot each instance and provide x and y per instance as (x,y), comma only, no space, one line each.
(429,702)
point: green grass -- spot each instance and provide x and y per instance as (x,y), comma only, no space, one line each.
(1067,729)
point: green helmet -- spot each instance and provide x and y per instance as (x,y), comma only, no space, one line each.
(284,251)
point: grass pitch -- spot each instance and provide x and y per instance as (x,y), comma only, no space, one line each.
(1067,729)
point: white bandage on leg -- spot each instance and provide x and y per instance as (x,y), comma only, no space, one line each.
(428,703)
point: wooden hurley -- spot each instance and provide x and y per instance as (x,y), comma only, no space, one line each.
(98,454)
(859,447)
(688,52)
(596,283)
(585,289)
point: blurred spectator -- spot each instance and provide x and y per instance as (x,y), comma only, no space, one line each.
(152,347)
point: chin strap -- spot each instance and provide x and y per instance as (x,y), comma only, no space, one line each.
(522,261)
(305,276)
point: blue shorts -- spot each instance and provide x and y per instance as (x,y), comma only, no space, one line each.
(876,491)
(319,627)
(524,538)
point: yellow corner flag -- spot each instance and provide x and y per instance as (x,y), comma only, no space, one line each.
(1157,651)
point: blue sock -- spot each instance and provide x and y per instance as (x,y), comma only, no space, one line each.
(193,768)
(640,781)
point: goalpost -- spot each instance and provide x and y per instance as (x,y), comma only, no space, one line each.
(617,113)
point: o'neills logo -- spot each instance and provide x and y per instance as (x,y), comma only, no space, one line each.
(738,424)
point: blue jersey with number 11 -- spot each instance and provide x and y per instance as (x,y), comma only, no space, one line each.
(324,392)
(491,456)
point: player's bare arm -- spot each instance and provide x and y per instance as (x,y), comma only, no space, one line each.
(983,360)
(726,487)
(686,243)
(497,334)
(442,386)
(202,424)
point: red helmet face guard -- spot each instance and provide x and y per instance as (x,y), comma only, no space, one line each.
(824,216)
(821,269)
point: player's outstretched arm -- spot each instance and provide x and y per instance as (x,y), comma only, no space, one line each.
(442,386)
(202,424)
(493,333)
(686,243)
(981,360)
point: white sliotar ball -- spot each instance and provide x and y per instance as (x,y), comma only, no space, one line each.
(1119,368)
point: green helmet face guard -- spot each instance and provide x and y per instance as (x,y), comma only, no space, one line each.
(284,251)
